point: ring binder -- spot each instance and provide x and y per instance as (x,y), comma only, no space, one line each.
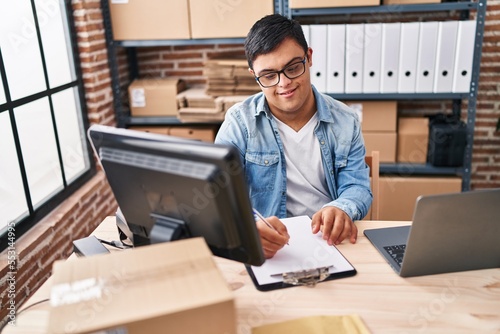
(306,277)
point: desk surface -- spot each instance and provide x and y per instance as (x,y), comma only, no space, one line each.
(463,302)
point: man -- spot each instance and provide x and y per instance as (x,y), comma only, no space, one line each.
(303,151)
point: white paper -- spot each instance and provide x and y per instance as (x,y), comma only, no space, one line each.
(305,251)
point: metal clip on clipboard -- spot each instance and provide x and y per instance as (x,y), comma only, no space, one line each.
(308,277)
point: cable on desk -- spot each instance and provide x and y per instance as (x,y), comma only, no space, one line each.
(115,243)
(22,311)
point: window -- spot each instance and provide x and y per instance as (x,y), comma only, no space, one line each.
(44,155)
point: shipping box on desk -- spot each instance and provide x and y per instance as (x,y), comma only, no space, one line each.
(155,97)
(164,288)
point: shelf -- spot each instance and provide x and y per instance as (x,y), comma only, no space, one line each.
(165,120)
(177,42)
(407,169)
(400,96)
(386,9)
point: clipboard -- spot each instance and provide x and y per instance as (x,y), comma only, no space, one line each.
(306,261)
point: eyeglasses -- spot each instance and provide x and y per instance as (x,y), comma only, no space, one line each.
(291,71)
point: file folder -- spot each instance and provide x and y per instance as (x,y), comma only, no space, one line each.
(390,57)
(318,38)
(306,31)
(335,62)
(354,58)
(445,58)
(464,56)
(426,58)
(408,51)
(372,57)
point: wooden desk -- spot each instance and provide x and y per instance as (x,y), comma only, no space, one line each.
(463,302)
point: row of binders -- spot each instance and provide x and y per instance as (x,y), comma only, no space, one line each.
(412,57)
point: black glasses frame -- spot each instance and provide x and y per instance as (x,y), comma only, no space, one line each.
(303,61)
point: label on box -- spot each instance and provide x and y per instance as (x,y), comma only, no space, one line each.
(76,292)
(119,1)
(138,97)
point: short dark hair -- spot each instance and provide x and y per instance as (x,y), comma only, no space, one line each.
(269,32)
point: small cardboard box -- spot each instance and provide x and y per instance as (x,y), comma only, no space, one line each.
(226,19)
(154,97)
(204,133)
(329,3)
(149,19)
(376,115)
(399,194)
(384,142)
(171,287)
(413,139)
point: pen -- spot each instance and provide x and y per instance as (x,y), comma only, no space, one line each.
(261,217)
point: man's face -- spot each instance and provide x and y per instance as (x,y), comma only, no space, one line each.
(289,95)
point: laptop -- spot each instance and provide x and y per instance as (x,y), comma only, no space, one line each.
(449,233)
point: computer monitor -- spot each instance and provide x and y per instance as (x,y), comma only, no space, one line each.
(170,188)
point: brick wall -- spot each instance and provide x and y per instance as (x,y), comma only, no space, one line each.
(51,239)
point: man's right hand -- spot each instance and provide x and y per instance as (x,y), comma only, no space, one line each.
(272,241)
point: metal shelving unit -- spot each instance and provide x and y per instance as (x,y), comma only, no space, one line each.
(282,6)
(123,117)
(464,8)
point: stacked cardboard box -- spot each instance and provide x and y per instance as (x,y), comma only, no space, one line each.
(229,77)
(413,139)
(154,97)
(378,124)
(195,105)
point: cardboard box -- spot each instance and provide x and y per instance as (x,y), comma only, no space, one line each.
(376,115)
(399,194)
(204,133)
(413,139)
(149,19)
(330,3)
(384,142)
(200,132)
(226,19)
(171,287)
(154,97)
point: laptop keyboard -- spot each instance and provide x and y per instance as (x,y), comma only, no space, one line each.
(396,252)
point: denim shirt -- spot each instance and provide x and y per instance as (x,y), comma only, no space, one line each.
(251,128)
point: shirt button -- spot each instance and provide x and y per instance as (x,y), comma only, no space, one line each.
(266,162)
(322,142)
(331,172)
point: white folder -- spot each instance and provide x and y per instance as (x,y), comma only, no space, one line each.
(372,57)
(317,36)
(464,56)
(445,58)
(390,57)
(335,63)
(354,58)
(426,58)
(306,31)
(408,51)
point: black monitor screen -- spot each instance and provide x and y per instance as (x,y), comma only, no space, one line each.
(170,188)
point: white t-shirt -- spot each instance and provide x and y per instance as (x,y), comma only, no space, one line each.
(307,190)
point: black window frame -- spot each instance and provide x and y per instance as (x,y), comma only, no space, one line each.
(35,215)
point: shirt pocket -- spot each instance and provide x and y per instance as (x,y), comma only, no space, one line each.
(261,170)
